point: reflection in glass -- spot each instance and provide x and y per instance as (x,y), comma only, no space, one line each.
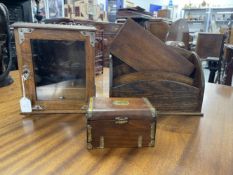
(59,68)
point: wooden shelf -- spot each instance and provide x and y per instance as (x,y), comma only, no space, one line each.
(221,21)
(195,9)
(195,21)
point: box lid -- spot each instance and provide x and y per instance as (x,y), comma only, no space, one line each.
(102,108)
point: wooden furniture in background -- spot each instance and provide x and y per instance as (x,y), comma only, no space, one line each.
(137,13)
(164,13)
(143,66)
(209,48)
(158,28)
(229,64)
(57,144)
(231,37)
(57,63)
(176,33)
(105,34)
(120,122)
(99,37)
(145,52)
(5,47)
(179,31)
(99,47)
(209,45)
(110,32)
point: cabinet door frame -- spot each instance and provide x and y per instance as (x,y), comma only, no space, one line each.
(25,62)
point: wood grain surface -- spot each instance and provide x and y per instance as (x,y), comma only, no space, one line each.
(167,91)
(163,94)
(158,28)
(152,76)
(141,50)
(209,45)
(57,144)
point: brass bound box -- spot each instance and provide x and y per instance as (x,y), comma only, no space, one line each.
(120,122)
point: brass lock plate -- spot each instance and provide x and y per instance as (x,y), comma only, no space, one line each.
(121,120)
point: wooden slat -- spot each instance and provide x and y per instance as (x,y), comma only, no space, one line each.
(158,28)
(177,30)
(151,76)
(163,94)
(142,51)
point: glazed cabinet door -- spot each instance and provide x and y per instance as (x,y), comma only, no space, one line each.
(60,67)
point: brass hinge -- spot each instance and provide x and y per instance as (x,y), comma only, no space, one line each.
(152,134)
(90,108)
(84,107)
(21,32)
(139,141)
(91,35)
(152,109)
(89,136)
(38,108)
(89,146)
(152,130)
(152,143)
(101,142)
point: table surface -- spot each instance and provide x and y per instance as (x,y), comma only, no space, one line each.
(56,144)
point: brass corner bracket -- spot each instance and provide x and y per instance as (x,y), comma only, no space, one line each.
(91,35)
(21,32)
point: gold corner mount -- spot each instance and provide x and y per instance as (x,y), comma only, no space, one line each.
(152,109)
(22,32)
(38,108)
(89,146)
(139,141)
(84,107)
(152,134)
(152,143)
(152,130)
(101,142)
(90,108)
(89,136)
(91,35)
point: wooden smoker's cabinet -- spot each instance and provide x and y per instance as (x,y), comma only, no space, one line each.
(57,63)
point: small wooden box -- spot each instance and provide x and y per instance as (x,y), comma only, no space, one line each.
(120,122)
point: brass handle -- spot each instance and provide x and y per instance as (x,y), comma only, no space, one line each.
(121,120)
(38,108)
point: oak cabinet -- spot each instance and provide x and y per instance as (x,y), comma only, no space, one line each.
(57,66)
